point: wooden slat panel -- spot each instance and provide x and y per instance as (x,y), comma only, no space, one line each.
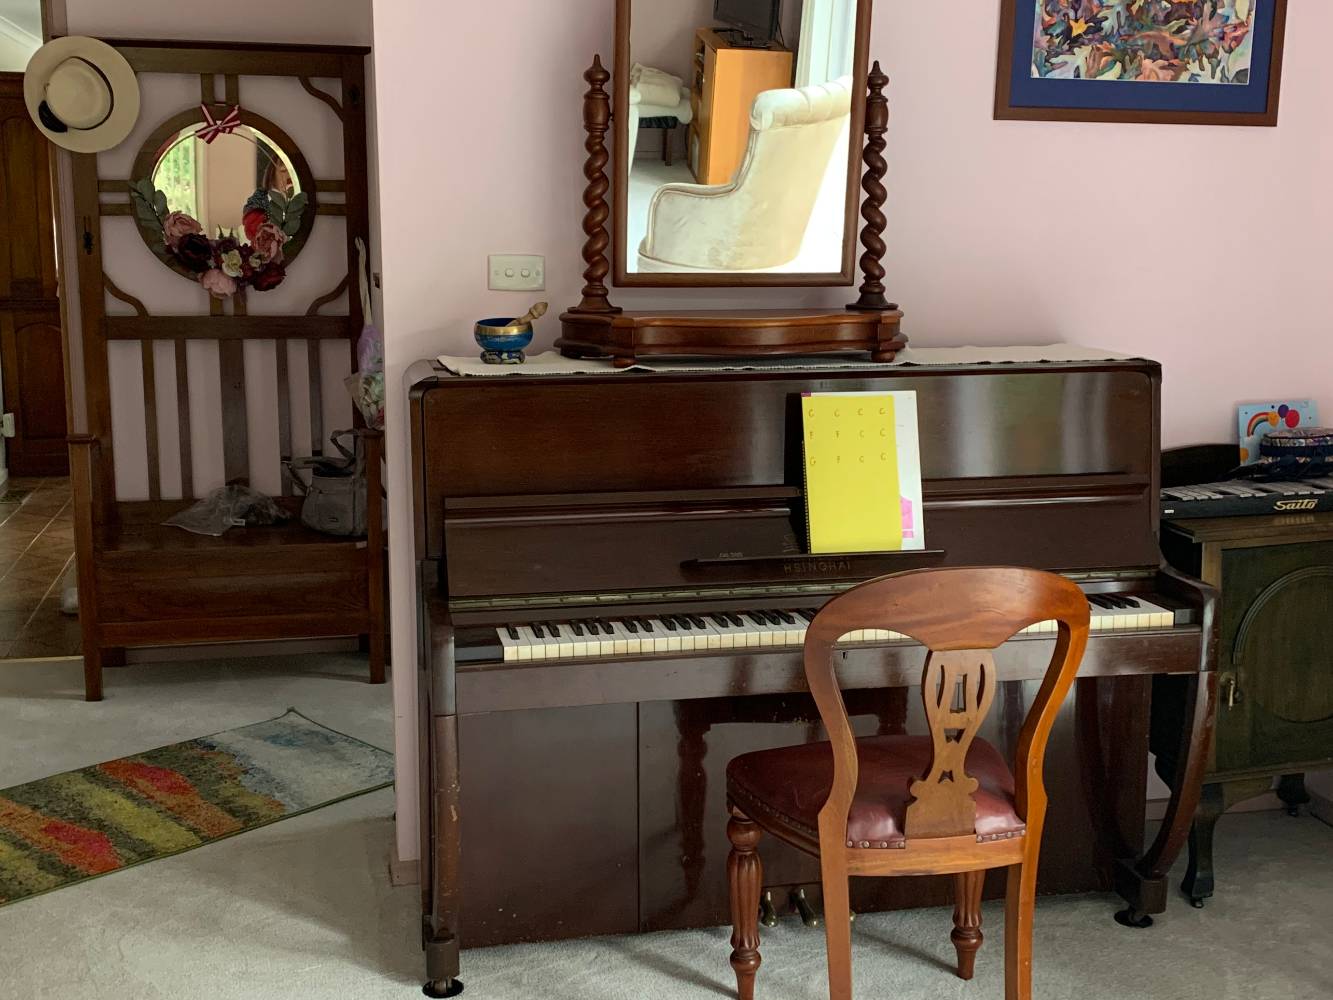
(207,88)
(284,410)
(116,208)
(150,420)
(330,186)
(229,629)
(183,419)
(316,401)
(232,87)
(235,436)
(218,327)
(323,208)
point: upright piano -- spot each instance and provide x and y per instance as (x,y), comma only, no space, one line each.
(613,590)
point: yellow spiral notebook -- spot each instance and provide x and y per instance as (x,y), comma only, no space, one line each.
(862,472)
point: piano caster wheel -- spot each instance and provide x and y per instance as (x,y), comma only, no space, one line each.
(768,913)
(809,915)
(1133,918)
(443,988)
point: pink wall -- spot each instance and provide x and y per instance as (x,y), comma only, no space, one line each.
(1205,248)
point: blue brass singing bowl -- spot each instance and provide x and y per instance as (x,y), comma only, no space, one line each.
(501,342)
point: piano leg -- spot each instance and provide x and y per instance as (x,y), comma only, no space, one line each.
(1142,882)
(441,924)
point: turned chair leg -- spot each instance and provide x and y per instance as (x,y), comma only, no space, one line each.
(966,934)
(745,875)
(837,927)
(1019,902)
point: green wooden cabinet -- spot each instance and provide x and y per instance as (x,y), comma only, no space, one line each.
(1275,661)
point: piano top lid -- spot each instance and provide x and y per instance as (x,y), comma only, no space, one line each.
(551,367)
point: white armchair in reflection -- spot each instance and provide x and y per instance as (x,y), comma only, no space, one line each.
(760,219)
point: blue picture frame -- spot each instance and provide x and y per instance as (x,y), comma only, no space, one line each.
(1022,94)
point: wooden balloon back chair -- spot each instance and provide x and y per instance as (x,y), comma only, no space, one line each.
(946,804)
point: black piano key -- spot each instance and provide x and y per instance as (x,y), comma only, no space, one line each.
(605,627)
(786,618)
(809,616)
(698,622)
(537,631)
(720,620)
(513,632)
(670,625)
(735,621)
(631,626)
(646,625)
(577,627)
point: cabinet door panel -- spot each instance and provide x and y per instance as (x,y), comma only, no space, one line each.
(1278,605)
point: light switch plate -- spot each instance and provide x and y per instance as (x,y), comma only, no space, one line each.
(517,272)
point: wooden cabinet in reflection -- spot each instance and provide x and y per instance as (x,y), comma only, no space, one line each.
(725,81)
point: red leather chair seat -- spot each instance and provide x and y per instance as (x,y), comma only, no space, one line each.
(793,783)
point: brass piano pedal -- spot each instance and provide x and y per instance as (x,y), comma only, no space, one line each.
(809,915)
(768,912)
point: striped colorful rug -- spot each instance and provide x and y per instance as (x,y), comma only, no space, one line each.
(78,825)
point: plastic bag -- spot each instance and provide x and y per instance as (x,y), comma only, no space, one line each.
(229,507)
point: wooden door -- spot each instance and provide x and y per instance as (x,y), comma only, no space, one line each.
(31,349)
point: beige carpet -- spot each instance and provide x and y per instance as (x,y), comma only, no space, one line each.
(303,909)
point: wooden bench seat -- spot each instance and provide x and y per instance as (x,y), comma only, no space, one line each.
(150,584)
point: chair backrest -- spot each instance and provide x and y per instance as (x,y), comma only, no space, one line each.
(960,616)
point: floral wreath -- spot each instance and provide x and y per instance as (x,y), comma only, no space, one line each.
(228,262)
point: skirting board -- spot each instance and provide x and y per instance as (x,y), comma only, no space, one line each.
(403,872)
(1321,808)
(1260,803)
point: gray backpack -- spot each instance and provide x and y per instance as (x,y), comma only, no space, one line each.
(334,488)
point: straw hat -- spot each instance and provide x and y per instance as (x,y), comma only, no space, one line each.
(82,94)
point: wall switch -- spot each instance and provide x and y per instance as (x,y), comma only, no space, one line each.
(7,425)
(517,272)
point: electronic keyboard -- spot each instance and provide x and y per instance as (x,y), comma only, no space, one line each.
(1247,497)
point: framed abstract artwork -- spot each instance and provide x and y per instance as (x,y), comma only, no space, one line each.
(1203,62)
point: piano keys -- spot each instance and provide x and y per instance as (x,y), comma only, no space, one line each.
(613,600)
(636,635)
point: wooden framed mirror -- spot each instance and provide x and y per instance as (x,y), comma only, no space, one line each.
(738,136)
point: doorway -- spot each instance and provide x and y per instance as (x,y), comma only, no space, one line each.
(32,365)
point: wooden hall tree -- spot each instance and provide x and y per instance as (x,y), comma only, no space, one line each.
(143,583)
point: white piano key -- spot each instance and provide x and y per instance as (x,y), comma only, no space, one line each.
(531,647)
(508,643)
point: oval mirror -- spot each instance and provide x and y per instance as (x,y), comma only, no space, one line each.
(227,202)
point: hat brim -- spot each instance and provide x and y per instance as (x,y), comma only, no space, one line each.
(119,74)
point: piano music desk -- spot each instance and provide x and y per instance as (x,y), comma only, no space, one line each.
(584,794)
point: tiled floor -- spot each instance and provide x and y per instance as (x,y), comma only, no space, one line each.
(36,546)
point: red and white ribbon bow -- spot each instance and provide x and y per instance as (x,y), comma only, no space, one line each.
(214,128)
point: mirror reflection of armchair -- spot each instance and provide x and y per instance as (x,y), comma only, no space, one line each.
(760,219)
